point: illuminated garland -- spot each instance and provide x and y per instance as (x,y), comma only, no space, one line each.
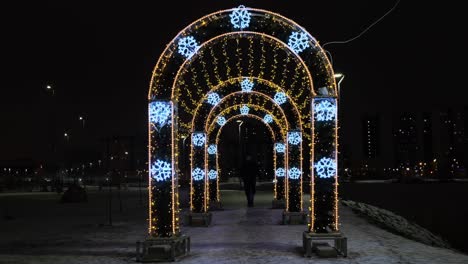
(280,147)
(212,175)
(198,139)
(294,173)
(280,98)
(188,46)
(221,120)
(244,110)
(159,113)
(212,149)
(198,174)
(325,168)
(268,119)
(240,17)
(280,172)
(213,98)
(246,85)
(161,171)
(325,110)
(294,138)
(298,41)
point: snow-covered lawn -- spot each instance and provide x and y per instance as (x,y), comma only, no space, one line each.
(44,231)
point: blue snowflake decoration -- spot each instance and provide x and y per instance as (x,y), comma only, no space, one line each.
(280,147)
(325,168)
(160,113)
(213,98)
(280,98)
(294,173)
(298,41)
(212,149)
(247,85)
(188,46)
(221,120)
(324,110)
(198,174)
(198,139)
(244,110)
(268,119)
(212,175)
(280,172)
(160,170)
(294,138)
(240,17)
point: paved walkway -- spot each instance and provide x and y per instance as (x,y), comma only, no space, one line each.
(237,235)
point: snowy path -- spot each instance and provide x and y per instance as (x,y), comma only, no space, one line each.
(237,235)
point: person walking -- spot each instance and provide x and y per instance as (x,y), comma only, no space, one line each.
(249,176)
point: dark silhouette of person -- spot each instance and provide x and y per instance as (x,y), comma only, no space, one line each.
(249,176)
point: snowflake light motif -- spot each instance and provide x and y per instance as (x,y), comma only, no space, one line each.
(198,174)
(280,98)
(240,17)
(188,46)
(159,113)
(294,173)
(247,85)
(325,110)
(280,147)
(268,119)
(212,149)
(221,120)
(280,172)
(298,41)
(244,110)
(198,139)
(160,170)
(325,168)
(294,138)
(213,98)
(212,175)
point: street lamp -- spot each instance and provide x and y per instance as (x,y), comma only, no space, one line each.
(339,77)
(240,122)
(82,120)
(49,88)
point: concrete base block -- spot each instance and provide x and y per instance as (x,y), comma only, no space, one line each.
(294,218)
(278,204)
(162,249)
(323,249)
(199,219)
(326,251)
(215,206)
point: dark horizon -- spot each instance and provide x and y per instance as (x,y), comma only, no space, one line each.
(98,58)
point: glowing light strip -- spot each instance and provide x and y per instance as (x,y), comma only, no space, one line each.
(222,14)
(281,127)
(242,34)
(298,115)
(233,81)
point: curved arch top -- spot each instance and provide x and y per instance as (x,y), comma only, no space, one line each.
(261,21)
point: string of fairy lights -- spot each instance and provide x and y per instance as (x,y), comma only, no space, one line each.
(204,72)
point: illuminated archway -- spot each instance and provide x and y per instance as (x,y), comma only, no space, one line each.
(305,73)
(278,130)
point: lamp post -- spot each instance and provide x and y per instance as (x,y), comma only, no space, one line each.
(240,151)
(339,76)
(82,121)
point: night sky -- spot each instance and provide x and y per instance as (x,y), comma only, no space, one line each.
(98,57)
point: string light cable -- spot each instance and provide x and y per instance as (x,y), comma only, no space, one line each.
(362,32)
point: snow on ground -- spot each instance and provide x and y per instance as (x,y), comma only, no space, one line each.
(78,234)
